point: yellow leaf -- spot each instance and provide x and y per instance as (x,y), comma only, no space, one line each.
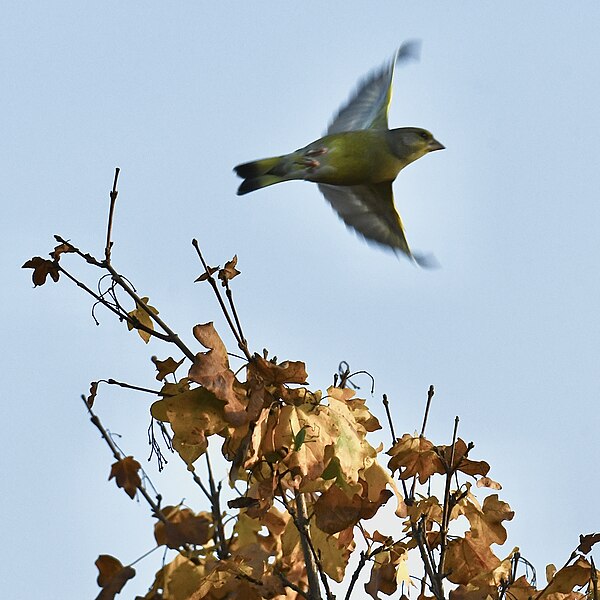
(140,314)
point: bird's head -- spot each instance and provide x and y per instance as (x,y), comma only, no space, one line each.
(410,143)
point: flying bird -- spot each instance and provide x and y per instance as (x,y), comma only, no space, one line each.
(357,160)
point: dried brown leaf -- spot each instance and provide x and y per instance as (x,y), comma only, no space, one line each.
(468,557)
(205,275)
(415,455)
(42,267)
(285,372)
(165,367)
(193,415)
(587,541)
(182,527)
(126,474)
(229,271)
(112,576)
(211,370)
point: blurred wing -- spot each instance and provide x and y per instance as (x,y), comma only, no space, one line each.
(368,107)
(369,209)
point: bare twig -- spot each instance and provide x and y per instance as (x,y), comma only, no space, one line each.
(361,564)
(113,199)
(289,584)
(235,316)
(215,504)
(310,556)
(447,509)
(119,456)
(171,335)
(237,334)
(430,394)
(386,405)
(129,386)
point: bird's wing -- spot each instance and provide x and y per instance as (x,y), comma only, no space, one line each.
(369,209)
(368,107)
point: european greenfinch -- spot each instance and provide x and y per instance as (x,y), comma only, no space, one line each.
(357,160)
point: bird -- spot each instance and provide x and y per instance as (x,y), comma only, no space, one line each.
(355,163)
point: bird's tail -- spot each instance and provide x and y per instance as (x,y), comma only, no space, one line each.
(259,174)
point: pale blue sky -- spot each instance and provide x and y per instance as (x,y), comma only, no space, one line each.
(178,93)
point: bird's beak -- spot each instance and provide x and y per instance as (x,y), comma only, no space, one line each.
(435,145)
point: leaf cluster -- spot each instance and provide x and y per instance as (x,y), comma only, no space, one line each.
(307,479)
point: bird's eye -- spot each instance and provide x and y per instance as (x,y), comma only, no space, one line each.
(424,135)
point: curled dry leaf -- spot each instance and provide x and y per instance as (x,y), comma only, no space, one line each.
(335,510)
(92,395)
(165,367)
(183,527)
(587,541)
(62,248)
(415,456)
(126,474)
(211,370)
(112,576)
(488,483)
(285,372)
(461,462)
(42,267)
(206,275)
(193,415)
(229,271)
(569,577)
(140,314)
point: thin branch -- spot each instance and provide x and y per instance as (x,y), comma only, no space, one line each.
(171,335)
(430,394)
(310,555)
(386,405)
(215,504)
(129,386)
(113,200)
(238,336)
(361,563)
(447,508)
(289,584)
(229,295)
(119,456)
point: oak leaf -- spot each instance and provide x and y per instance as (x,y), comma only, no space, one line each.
(415,456)
(567,578)
(211,370)
(350,445)
(42,267)
(126,474)
(461,462)
(389,569)
(208,273)
(229,271)
(467,557)
(193,415)
(285,372)
(62,248)
(486,521)
(112,576)
(333,550)
(182,527)
(335,510)
(140,314)
(587,541)
(165,367)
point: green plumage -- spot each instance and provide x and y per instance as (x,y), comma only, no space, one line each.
(355,163)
